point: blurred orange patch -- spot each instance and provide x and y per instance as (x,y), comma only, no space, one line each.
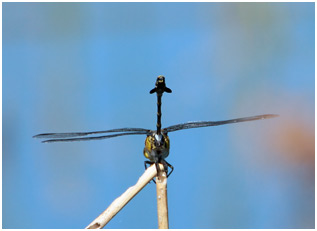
(295,140)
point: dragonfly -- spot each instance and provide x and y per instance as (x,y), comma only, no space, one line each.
(157,143)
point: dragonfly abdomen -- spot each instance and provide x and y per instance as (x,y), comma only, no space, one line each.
(160,88)
(159,113)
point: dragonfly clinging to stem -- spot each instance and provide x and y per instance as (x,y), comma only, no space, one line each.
(157,143)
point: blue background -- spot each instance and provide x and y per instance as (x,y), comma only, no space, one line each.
(90,66)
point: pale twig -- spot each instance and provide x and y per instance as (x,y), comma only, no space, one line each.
(161,193)
(121,201)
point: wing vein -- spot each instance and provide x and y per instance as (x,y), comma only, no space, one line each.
(200,124)
(78,134)
(93,137)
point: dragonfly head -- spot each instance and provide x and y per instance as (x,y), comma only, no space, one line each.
(159,140)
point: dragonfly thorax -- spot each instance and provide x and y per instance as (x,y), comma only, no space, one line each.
(156,146)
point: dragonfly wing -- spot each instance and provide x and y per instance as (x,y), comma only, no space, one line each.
(200,124)
(79,134)
(94,137)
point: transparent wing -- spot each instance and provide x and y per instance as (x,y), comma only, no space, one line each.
(94,137)
(215,123)
(78,134)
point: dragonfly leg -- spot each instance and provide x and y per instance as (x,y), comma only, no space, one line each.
(146,163)
(166,165)
(164,162)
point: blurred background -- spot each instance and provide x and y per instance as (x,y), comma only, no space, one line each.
(89,66)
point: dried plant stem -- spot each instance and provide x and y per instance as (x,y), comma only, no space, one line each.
(161,193)
(121,201)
